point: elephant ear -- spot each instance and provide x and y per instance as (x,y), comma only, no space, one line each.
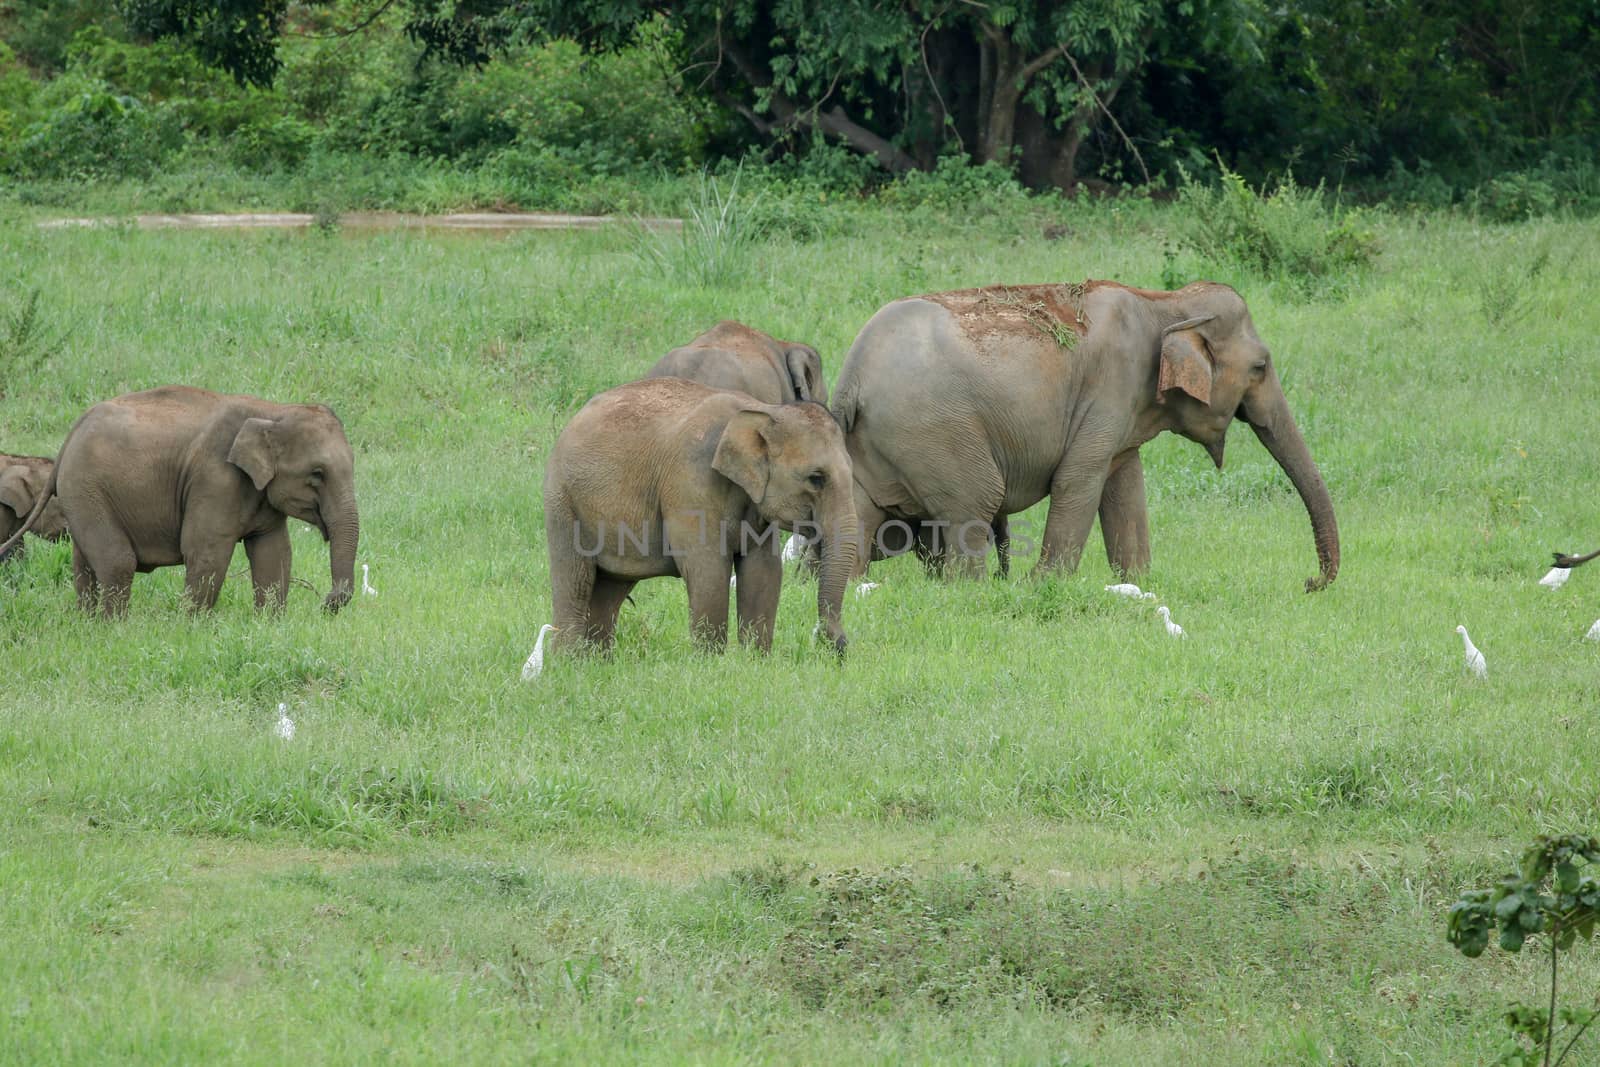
(805,372)
(15,492)
(1185,361)
(742,453)
(252,451)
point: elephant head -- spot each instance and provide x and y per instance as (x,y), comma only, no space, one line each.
(791,461)
(304,464)
(20,486)
(1214,368)
(805,372)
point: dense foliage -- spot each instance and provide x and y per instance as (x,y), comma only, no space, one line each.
(1488,103)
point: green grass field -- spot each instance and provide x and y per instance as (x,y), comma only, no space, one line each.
(1019,824)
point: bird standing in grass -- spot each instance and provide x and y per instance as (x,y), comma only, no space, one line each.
(285,728)
(794,548)
(865,588)
(1173,629)
(1556,578)
(366,586)
(535,664)
(1131,590)
(1475,661)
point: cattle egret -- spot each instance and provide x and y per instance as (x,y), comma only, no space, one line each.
(285,724)
(1475,661)
(793,549)
(1129,589)
(733,581)
(535,664)
(1556,578)
(1173,629)
(865,588)
(1594,632)
(366,586)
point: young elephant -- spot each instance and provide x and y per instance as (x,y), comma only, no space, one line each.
(22,480)
(180,475)
(732,355)
(665,477)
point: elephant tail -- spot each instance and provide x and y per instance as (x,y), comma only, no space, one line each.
(844,405)
(33,516)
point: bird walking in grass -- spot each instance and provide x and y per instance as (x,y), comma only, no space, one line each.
(865,588)
(1173,629)
(366,586)
(1594,632)
(1128,589)
(535,664)
(1475,661)
(285,727)
(1556,578)
(794,547)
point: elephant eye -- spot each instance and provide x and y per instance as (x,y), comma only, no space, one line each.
(316,474)
(1260,367)
(817,479)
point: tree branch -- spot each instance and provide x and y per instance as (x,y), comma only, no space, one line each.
(1096,97)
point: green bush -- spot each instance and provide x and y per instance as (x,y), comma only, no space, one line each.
(1290,232)
(88,130)
(956,185)
(1516,197)
(280,143)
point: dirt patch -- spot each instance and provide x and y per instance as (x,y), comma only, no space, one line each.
(1005,310)
(487,221)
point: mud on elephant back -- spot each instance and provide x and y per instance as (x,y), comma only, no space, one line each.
(180,475)
(964,407)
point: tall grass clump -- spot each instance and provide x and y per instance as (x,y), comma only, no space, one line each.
(720,230)
(1289,232)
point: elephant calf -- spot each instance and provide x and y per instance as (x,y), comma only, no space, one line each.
(22,481)
(732,355)
(180,475)
(670,478)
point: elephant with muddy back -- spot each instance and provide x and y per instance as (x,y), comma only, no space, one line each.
(22,480)
(180,475)
(961,408)
(670,478)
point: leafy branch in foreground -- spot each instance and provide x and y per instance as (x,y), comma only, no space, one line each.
(1550,893)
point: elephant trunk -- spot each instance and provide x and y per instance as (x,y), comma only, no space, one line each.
(1278,432)
(344,531)
(841,531)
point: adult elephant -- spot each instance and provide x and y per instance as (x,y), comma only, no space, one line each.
(732,355)
(22,480)
(670,478)
(963,407)
(180,475)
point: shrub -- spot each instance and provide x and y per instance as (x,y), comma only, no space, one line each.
(88,130)
(720,229)
(957,185)
(1516,197)
(1289,232)
(280,143)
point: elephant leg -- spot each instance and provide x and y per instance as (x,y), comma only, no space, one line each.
(706,573)
(1124,520)
(270,554)
(109,563)
(205,567)
(929,549)
(872,519)
(1001,529)
(572,575)
(83,580)
(966,545)
(760,575)
(1074,499)
(605,604)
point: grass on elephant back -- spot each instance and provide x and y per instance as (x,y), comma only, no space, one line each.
(1018,823)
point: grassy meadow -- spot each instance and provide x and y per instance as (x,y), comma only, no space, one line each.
(1018,824)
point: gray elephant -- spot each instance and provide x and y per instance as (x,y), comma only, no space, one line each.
(22,480)
(670,478)
(732,355)
(960,408)
(180,475)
